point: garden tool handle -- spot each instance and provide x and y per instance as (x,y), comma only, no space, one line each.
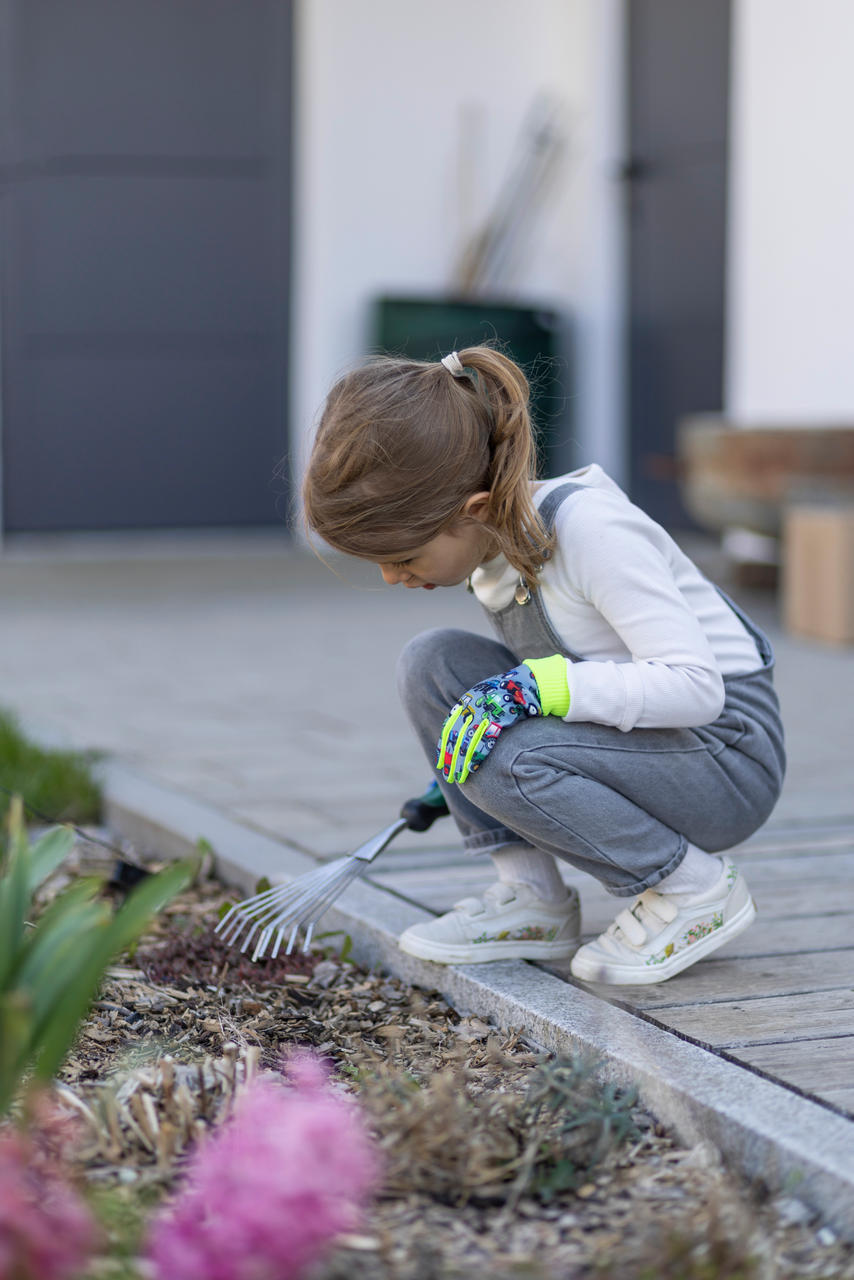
(422,811)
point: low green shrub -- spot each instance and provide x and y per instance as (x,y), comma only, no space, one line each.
(58,783)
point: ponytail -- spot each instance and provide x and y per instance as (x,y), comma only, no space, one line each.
(403,444)
(511,515)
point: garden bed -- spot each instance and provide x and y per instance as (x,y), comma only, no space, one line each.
(183,1021)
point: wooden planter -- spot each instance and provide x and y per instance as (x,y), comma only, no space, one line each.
(746,477)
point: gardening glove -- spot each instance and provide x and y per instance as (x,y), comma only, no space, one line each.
(537,687)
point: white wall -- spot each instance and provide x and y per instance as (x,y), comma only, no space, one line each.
(790,338)
(388,94)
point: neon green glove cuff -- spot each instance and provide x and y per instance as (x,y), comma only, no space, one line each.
(550,675)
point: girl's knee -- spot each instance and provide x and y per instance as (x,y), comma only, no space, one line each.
(422,657)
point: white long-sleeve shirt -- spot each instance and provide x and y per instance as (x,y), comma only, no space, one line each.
(654,637)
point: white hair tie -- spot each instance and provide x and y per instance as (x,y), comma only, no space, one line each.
(452,364)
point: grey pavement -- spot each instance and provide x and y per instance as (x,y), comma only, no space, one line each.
(244,672)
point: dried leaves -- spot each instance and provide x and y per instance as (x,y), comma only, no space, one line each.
(471,1144)
(150,1114)
(541,1140)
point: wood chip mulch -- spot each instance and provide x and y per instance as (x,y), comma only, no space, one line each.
(185,1020)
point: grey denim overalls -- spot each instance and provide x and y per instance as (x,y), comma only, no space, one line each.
(620,806)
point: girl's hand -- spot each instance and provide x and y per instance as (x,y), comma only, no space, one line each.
(537,687)
(472,728)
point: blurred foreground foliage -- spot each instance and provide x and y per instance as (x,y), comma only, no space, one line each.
(507,1145)
(57,783)
(51,967)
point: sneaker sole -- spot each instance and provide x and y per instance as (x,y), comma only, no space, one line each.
(639,975)
(441,953)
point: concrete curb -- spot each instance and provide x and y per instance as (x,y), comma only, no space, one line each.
(766,1130)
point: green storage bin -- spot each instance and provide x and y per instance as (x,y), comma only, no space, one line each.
(428,328)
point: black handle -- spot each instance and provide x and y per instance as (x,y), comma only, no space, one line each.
(422,811)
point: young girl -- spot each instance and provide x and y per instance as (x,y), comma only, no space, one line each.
(624,719)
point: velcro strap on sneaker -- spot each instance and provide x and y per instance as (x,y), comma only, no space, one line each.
(471,906)
(631,927)
(650,914)
(499,894)
(658,905)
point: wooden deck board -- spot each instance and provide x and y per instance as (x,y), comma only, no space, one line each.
(769,1020)
(825,865)
(794,898)
(743,979)
(814,1065)
(842,1098)
(768,937)
(780,997)
(798,839)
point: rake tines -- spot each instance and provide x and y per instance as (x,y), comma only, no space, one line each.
(298,905)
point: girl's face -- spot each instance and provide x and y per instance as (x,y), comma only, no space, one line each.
(447,559)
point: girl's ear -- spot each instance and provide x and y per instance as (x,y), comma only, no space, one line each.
(476,507)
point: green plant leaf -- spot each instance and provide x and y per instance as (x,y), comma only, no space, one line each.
(50,972)
(203,849)
(149,897)
(50,930)
(46,971)
(14,895)
(15,1021)
(48,853)
(104,943)
(58,954)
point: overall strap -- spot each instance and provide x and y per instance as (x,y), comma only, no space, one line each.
(552,501)
(523,625)
(763,644)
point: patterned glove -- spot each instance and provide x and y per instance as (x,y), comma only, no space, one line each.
(472,728)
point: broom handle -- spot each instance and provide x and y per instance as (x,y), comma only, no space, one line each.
(422,811)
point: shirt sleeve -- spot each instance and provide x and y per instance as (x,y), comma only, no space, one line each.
(613,557)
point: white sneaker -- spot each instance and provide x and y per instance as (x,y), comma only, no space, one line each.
(663,933)
(509,922)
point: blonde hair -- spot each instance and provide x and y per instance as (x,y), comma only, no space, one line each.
(401,446)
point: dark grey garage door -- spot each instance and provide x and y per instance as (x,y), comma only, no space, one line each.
(145,177)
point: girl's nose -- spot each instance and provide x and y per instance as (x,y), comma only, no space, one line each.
(391,573)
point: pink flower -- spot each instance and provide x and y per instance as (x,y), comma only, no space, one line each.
(46,1231)
(267,1192)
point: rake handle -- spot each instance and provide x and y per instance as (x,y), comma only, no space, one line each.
(421,812)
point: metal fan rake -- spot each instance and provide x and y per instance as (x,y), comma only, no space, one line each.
(268,918)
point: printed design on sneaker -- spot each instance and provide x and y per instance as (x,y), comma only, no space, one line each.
(731,874)
(528,933)
(700,930)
